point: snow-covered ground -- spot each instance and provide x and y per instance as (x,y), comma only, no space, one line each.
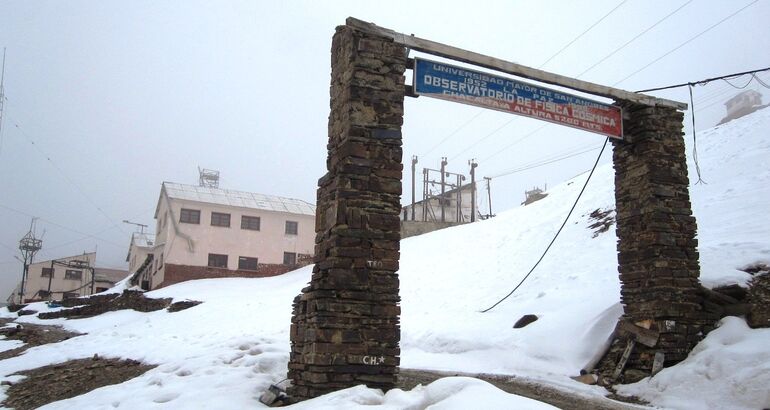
(224,352)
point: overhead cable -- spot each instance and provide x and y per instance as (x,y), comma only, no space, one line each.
(557,232)
(633,39)
(686,42)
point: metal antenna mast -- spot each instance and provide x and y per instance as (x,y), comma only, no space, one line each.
(28,246)
(2,101)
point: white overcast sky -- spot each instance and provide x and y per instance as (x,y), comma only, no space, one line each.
(107,99)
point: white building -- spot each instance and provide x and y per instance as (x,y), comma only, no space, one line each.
(205,232)
(743,101)
(67,277)
(456,204)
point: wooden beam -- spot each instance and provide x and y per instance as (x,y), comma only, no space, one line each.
(644,336)
(623,359)
(481,60)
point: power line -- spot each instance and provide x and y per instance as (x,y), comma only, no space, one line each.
(483,138)
(478,114)
(633,39)
(557,232)
(542,163)
(579,75)
(686,42)
(708,80)
(62,226)
(531,133)
(583,33)
(759,80)
(541,65)
(61,172)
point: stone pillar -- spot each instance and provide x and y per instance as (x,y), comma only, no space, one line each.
(657,249)
(345,325)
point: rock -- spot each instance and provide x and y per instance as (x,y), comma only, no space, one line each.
(525,320)
(589,378)
(15,307)
(759,301)
(182,305)
(633,376)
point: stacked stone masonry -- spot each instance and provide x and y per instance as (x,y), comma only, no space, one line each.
(345,325)
(182,273)
(657,248)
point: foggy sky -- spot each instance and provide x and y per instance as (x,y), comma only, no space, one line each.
(107,99)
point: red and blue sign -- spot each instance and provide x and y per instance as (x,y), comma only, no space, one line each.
(458,84)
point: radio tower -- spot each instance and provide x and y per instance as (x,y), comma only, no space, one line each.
(208,178)
(2,100)
(28,245)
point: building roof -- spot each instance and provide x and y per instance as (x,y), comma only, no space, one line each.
(747,93)
(110,275)
(142,239)
(238,198)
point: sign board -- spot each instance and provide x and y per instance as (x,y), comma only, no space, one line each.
(448,82)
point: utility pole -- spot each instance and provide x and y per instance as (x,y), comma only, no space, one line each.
(489,194)
(414,164)
(425,195)
(28,246)
(443,188)
(50,279)
(2,100)
(473,165)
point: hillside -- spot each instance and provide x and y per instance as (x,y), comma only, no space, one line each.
(225,352)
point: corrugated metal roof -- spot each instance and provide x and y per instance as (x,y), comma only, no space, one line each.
(238,198)
(110,275)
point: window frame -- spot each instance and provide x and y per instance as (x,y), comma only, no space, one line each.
(285,254)
(215,255)
(295,224)
(47,273)
(248,225)
(186,213)
(222,219)
(248,259)
(69,274)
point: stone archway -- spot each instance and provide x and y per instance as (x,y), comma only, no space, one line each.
(345,325)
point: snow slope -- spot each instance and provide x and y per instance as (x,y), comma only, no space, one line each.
(226,351)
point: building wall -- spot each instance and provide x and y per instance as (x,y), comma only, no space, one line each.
(180,273)
(37,282)
(136,256)
(268,244)
(450,209)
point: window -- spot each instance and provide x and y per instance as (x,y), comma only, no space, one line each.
(100,290)
(220,219)
(73,274)
(247,263)
(291,228)
(289,258)
(47,272)
(44,294)
(190,216)
(217,261)
(250,222)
